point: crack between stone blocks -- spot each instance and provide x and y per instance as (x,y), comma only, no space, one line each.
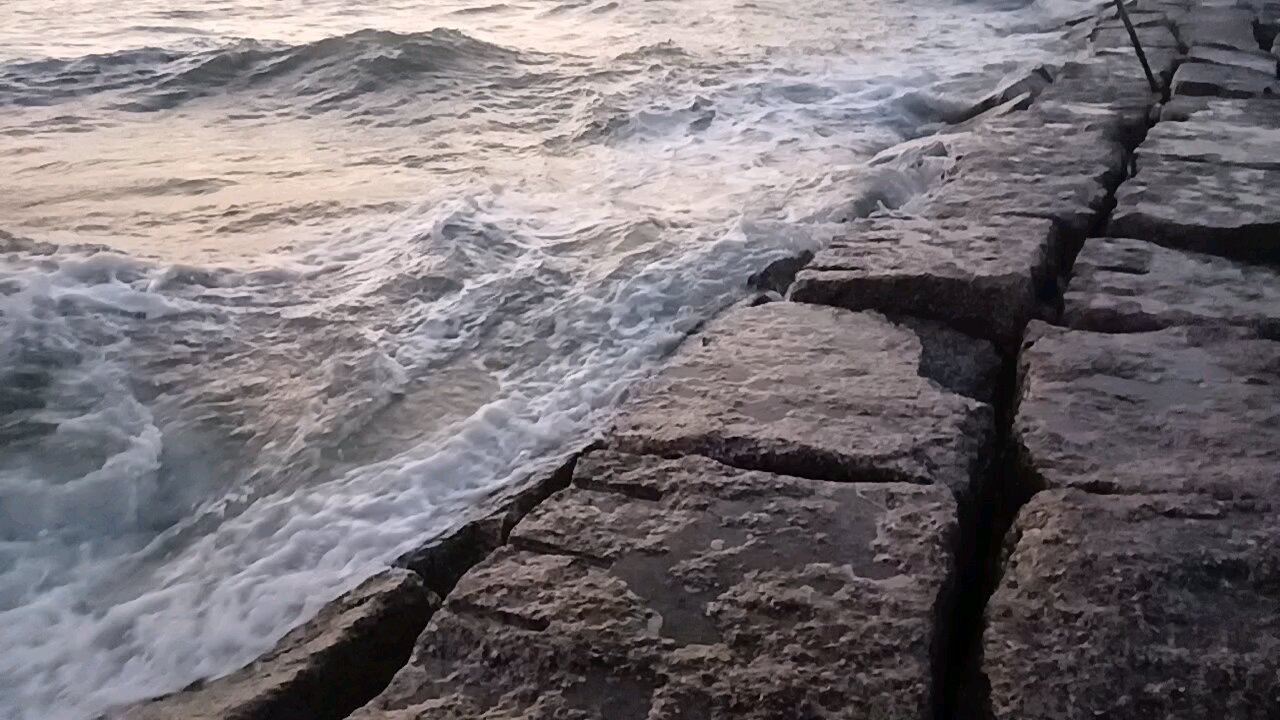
(961,688)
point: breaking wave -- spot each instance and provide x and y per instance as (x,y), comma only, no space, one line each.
(306,302)
(331,69)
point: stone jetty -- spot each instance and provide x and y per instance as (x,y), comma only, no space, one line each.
(1010,451)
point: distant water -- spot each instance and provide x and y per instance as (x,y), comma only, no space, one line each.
(370,260)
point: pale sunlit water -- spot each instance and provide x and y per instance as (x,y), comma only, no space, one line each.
(370,260)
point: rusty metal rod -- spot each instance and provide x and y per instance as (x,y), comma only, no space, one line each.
(1137,46)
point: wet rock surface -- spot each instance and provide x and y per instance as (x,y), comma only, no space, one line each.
(1129,607)
(684,588)
(1189,409)
(1121,285)
(444,559)
(323,670)
(1140,580)
(985,277)
(819,392)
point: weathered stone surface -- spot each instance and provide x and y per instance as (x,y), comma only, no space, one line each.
(984,277)
(1189,409)
(819,392)
(1221,142)
(1137,607)
(1120,124)
(1225,27)
(1213,208)
(1113,79)
(322,670)
(1031,166)
(662,589)
(1151,36)
(1254,59)
(1123,285)
(1255,113)
(1203,79)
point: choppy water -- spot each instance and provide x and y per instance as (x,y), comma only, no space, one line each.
(371,259)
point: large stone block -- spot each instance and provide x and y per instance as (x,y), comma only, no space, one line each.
(1202,138)
(1222,209)
(322,670)
(820,392)
(1224,27)
(1204,79)
(1137,607)
(662,589)
(1248,113)
(1123,285)
(1183,410)
(1031,166)
(1254,59)
(986,277)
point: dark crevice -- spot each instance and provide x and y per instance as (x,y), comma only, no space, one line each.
(984,519)
(799,461)
(961,685)
(1265,34)
(545,548)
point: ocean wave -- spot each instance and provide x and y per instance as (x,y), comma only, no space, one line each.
(149,79)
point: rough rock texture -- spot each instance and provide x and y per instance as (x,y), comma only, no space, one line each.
(1122,285)
(1155,36)
(985,277)
(1203,138)
(1190,409)
(820,392)
(320,671)
(1112,80)
(666,589)
(1248,113)
(1224,27)
(1030,165)
(1254,59)
(1222,209)
(1201,79)
(1137,607)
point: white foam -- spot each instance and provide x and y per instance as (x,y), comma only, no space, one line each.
(557,278)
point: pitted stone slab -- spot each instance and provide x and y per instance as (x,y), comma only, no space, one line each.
(662,589)
(1137,607)
(1042,169)
(1185,410)
(1218,209)
(1250,113)
(1224,27)
(1123,285)
(820,392)
(1253,59)
(1203,139)
(984,277)
(1203,79)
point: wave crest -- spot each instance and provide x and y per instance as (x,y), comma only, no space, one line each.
(338,67)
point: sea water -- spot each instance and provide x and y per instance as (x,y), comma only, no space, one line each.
(287,287)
